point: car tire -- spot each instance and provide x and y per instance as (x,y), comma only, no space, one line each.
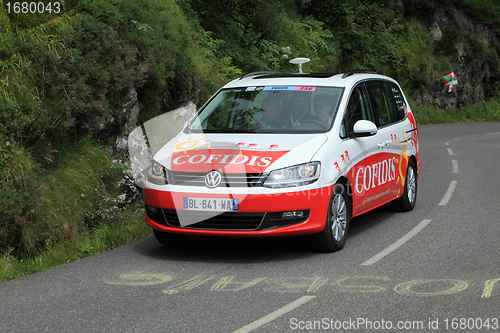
(406,202)
(168,239)
(334,235)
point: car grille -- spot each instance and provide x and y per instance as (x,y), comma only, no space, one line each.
(223,221)
(228,179)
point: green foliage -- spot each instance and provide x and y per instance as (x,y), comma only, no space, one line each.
(101,10)
(5,26)
(365,34)
(256,34)
(73,72)
(489,111)
(40,209)
(105,237)
(487,11)
(61,78)
(446,45)
(16,173)
(420,63)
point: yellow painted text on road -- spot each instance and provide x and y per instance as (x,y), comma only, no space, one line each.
(350,284)
(488,287)
(431,287)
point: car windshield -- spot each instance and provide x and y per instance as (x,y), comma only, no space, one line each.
(269,109)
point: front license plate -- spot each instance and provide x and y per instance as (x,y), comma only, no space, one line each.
(211,204)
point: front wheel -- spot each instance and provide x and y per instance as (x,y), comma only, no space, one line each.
(334,236)
(406,202)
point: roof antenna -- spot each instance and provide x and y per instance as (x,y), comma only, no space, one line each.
(300,61)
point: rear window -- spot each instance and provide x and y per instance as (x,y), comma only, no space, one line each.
(399,99)
(269,109)
(385,110)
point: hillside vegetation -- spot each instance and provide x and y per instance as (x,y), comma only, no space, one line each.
(65,78)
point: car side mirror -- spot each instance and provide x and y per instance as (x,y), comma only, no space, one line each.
(363,128)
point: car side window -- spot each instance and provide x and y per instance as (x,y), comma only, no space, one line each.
(384,108)
(358,108)
(399,100)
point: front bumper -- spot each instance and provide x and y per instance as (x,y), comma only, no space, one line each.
(259,215)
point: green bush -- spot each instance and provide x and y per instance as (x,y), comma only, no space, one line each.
(263,35)
(61,78)
(16,173)
(75,197)
(488,111)
(105,237)
(446,45)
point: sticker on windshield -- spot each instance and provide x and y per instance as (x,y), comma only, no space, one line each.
(305,88)
(279,88)
(289,88)
(254,88)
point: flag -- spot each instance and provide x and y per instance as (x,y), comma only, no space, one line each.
(451,84)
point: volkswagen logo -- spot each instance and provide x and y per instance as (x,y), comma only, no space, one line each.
(213,179)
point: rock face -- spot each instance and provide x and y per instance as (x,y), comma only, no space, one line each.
(128,186)
(435,32)
(472,73)
(130,112)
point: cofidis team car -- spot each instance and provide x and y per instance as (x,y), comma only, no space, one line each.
(281,154)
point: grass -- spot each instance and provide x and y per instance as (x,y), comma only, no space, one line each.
(487,111)
(75,212)
(105,237)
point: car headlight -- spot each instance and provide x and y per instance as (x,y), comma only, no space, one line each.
(158,174)
(297,175)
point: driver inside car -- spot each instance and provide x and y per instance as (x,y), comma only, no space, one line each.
(298,109)
(271,113)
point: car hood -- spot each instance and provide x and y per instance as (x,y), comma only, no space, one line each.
(238,153)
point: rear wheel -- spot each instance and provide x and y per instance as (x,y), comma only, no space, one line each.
(406,202)
(168,239)
(334,236)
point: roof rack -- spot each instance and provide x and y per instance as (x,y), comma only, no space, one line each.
(262,72)
(355,71)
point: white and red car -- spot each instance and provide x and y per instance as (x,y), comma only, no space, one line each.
(280,154)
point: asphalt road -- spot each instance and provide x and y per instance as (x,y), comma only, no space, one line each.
(434,269)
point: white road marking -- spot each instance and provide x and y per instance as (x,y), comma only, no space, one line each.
(276,314)
(494,133)
(454,163)
(450,151)
(394,246)
(449,193)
